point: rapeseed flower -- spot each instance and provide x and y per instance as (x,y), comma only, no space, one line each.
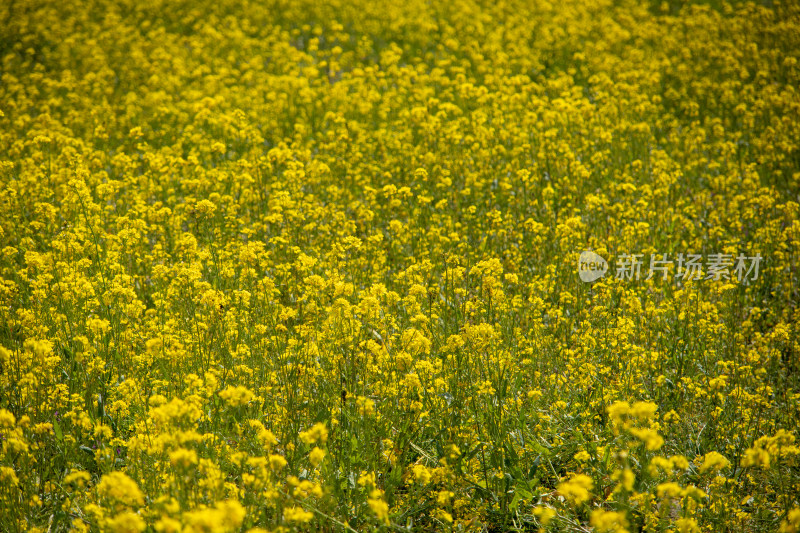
(314,267)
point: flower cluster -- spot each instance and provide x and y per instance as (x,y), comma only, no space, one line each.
(310,266)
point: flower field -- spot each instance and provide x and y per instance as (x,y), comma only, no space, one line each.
(481,265)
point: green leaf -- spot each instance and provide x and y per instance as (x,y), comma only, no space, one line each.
(534,467)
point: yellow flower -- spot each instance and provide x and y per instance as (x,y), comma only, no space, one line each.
(317,433)
(79,478)
(626,479)
(366,406)
(379,506)
(713,461)
(266,436)
(643,410)
(687,525)
(441,514)
(577,489)
(618,413)
(166,524)
(226,516)
(276,462)
(756,456)
(316,456)
(183,457)
(121,489)
(421,473)
(679,462)
(8,477)
(369,215)
(236,396)
(669,490)
(694,492)
(582,456)
(544,514)
(792,522)
(126,522)
(444,497)
(7,419)
(297,514)
(367,479)
(608,521)
(651,439)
